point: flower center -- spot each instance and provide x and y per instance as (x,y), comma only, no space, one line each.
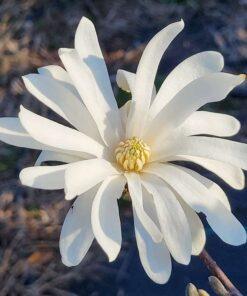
(132,154)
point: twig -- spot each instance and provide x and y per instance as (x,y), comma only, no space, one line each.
(219,273)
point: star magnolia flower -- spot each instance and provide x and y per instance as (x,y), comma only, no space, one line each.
(107,147)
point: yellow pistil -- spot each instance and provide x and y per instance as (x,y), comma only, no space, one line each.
(132,154)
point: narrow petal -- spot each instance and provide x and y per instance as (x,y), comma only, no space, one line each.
(103,110)
(209,123)
(83,175)
(12,132)
(87,46)
(105,216)
(235,153)
(47,155)
(44,177)
(232,175)
(199,198)
(145,77)
(58,73)
(211,88)
(173,222)
(77,234)
(198,235)
(61,100)
(123,113)
(135,190)
(214,189)
(155,257)
(126,81)
(59,136)
(192,68)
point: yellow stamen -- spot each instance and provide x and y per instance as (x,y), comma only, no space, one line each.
(132,154)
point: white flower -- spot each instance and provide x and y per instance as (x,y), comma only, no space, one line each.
(135,144)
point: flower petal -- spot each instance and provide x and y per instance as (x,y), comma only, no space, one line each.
(173,222)
(232,175)
(235,153)
(209,123)
(12,132)
(135,190)
(62,101)
(77,234)
(155,257)
(47,155)
(126,81)
(211,88)
(103,109)
(59,136)
(83,175)
(214,189)
(44,177)
(192,68)
(105,216)
(198,235)
(145,77)
(59,74)
(87,46)
(197,196)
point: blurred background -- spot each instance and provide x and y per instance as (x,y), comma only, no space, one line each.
(31,31)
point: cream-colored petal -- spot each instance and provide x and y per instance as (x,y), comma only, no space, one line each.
(44,177)
(60,99)
(232,175)
(47,155)
(90,86)
(210,88)
(173,222)
(192,68)
(83,175)
(135,190)
(12,132)
(199,198)
(145,77)
(59,136)
(105,216)
(209,123)
(77,235)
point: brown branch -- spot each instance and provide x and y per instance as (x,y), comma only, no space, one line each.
(219,273)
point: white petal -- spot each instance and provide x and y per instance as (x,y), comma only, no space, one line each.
(135,190)
(214,189)
(198,235)
(58,73)
(62,101)
(123,113)
(209,123)
(87,46)
(211,88)
(90,86)
(192,68)
(44,177)
(155,257)
(56,156)
(173,222)
(105,216)
(232,175)
(77,234)
(197,196)
(83,175)
(59,136)
(126,81)
(227,151)
(145,77)
(13,133)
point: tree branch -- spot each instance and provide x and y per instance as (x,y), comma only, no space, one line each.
(219,273)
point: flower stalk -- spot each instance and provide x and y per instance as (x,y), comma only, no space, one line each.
(213,267)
